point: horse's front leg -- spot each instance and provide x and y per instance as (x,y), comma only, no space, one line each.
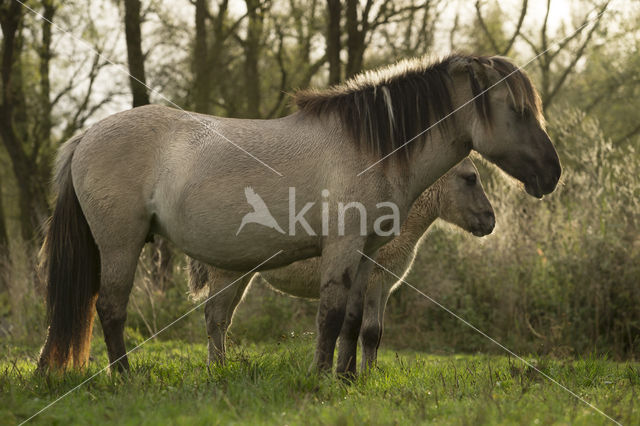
(339,266)
(348,347)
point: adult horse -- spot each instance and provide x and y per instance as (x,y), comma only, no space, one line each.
(156,170)
(457,197)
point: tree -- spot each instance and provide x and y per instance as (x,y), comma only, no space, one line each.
(135,57)
(556,63)
(212,54)
(334,12)
(500,47)
(363,22)
(30,176)
(291,31)
(28,101)
(414,33)
(608,88)
(200,59)
(4,245)
(252,46)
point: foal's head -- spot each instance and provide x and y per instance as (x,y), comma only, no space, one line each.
(462,200)
(506,122)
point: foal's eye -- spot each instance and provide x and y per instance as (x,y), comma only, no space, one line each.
(470,179)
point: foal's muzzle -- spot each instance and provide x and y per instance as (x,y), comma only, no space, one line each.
(486,223)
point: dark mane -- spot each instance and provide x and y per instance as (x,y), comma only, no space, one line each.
(384,108)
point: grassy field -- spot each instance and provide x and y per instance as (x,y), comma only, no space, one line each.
(270,384)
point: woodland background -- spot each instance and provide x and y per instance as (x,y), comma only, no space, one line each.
(559,276)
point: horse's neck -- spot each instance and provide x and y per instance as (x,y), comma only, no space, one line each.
(431,161)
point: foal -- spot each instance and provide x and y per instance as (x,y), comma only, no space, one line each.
(457,197)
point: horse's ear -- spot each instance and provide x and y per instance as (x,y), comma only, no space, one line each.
(484,72)
(477,68)
(459,64)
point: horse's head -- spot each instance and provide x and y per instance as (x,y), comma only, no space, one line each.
(506,125)
(463,201)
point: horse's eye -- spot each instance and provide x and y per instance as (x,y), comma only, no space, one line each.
(470,179)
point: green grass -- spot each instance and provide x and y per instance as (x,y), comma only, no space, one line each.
(270,384)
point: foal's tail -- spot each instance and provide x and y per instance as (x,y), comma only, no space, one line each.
(71,261)
(198,279)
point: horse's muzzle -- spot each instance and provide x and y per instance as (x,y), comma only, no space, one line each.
(538,186)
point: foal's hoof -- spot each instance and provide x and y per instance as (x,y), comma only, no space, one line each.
(348,377)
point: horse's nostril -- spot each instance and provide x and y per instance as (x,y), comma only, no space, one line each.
(491,219)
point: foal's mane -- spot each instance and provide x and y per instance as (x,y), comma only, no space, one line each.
(384,108)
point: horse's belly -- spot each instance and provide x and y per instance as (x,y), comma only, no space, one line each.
(260,249)
(244,259)
(300,279)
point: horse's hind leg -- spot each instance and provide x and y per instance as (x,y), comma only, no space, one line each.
(117,274)
(111,196)
(219,309)
(118,267)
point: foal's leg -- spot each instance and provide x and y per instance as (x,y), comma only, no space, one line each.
(339,266)
(371,330)
(118,267)
(218,310)
(348,348)
(373,327)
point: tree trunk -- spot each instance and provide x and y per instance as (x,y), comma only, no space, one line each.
(202,78)
(134,53)
(44,128)
(355,39)
(334,9)
(32,193)
(252,50)
(4,246)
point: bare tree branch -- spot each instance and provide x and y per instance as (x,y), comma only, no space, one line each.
(283,75)
(516,32)
(486,31)
(576,57)
(452,33)
(492,40)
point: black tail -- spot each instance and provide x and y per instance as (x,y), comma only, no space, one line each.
(73,279)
